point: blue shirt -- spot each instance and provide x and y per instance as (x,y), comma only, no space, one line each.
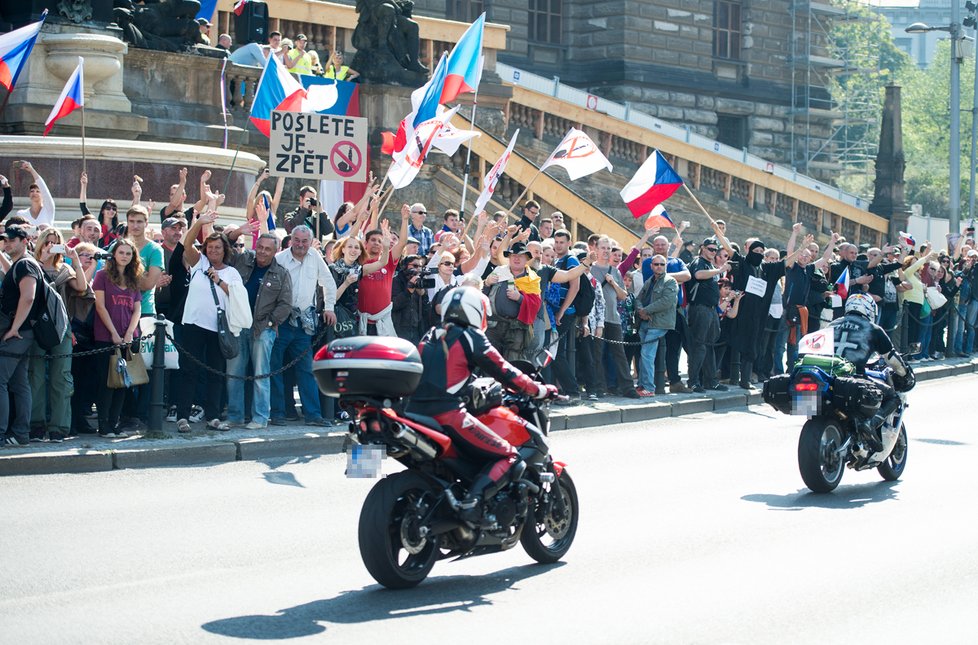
(424,236)
(567,263)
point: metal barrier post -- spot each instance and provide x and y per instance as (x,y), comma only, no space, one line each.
(156,404)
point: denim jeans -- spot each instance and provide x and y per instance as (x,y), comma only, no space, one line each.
(650,344)
(291,342)
(259,351)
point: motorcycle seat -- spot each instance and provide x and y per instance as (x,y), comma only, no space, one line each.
(426,421)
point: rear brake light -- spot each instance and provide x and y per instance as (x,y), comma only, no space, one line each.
(806,387)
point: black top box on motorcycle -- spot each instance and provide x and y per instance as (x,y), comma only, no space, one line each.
(375,366)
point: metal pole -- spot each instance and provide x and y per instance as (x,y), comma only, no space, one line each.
(974,136)
(156,404)
(954,206)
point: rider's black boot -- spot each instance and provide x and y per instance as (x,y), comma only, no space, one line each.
(867,431)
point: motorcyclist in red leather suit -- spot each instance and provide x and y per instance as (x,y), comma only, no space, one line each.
(449,354)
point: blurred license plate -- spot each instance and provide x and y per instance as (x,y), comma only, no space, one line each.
(806,404)
(364,462)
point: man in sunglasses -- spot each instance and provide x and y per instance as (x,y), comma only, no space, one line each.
(418,230)
(657,304)
(704,325)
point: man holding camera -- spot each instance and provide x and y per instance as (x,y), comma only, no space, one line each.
(410,299)
(309,213)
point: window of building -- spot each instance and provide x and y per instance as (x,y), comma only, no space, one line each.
(726,29)
(465,10)
(732,130)
(545,21)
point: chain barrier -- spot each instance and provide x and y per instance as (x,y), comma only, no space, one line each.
(49,357)
(185,354)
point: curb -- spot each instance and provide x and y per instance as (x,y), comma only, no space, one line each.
(86,460)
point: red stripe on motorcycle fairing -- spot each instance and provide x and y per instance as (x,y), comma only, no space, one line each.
(500,468)
(559,467)
(443,441)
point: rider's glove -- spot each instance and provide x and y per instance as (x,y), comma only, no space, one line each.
(545,391)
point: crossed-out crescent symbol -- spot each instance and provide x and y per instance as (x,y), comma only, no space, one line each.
(575,151)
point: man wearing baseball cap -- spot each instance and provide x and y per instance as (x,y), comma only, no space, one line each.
(18,306)
(515,294)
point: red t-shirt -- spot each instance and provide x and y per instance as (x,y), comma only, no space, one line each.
(375,289)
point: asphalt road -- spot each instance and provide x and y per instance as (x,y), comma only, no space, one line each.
(693,530)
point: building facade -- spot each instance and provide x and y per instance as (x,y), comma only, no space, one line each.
(748,73)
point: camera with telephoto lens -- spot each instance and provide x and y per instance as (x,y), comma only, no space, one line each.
(102,255)
(313,201)
(429,283)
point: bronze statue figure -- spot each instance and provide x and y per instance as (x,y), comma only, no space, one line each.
(165,25)
(387,43)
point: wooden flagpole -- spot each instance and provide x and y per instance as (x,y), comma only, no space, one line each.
(468,156)
(523,194)
(712,221)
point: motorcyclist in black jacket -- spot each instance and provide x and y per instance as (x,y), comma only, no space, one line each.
(856,338)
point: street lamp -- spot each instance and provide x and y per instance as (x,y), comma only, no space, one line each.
(954,29)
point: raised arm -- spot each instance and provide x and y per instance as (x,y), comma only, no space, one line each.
(176,199)
(795,229)
(724,242)
(191,256)
(385,252)
(403,234)
(823,262)
(46,215)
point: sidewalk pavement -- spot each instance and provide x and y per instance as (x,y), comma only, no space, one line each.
(91,453)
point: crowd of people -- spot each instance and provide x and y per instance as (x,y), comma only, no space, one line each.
(601,318)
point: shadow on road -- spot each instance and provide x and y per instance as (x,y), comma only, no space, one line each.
(437,595)
(942,442)
(844,497)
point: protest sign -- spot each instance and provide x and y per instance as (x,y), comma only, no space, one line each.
(318,146)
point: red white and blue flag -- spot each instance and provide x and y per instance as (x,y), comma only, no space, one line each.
(465,63)
(659,217)
(239,7)
(15,48)
(277,90)
(72,97)
(907,239)
(842,284)
(653,183)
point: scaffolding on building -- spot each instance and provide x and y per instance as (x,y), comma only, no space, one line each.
(829,136)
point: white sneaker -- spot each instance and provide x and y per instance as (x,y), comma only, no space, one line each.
(254,425)
(171,414)
(196,414)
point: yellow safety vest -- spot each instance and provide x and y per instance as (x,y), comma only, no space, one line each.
(341,75)
(303,64)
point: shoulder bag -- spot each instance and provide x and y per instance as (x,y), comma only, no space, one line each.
(227,341)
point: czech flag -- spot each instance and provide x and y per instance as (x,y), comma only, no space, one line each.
(653,183)
(842,284)
(465,63)
(15,47)
(72,97)
(659,217)
(239,7)
(907,239)
(277,90)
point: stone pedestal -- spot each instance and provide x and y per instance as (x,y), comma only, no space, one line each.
(108,111)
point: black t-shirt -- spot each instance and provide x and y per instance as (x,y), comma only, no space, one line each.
(704,292)
(878,286)
(254,283)
(10,291)
(798,284)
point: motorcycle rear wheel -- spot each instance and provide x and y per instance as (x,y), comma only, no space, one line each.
(392,549)
(547,537)
(892,467)
(819,460)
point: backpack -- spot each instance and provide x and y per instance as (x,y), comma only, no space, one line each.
(584,300)
(51,323)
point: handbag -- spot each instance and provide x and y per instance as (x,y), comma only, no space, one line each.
(126,371)
(935,298)
(227,341)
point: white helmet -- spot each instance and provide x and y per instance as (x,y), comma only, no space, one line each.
(466,306)
(863,304)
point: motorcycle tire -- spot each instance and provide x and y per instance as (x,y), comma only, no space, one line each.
(820,463)
(892,467)
(391,549)
(546,538)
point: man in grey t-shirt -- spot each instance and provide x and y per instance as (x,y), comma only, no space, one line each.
(613,288)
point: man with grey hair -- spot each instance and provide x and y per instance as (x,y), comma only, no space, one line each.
(307,271)
(269,288)
(418,230)
(859,274)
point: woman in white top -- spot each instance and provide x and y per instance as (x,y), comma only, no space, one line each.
(41,210)
(210,276)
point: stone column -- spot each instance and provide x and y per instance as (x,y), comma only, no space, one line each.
(888,194)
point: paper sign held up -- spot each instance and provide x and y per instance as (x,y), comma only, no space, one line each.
(310,145)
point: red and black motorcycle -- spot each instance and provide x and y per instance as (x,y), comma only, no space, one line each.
(410,519)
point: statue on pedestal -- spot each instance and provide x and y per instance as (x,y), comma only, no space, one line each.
(387,43)
(165,25)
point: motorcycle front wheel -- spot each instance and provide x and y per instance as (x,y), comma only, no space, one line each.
(819,460)
(892,467)
(392,546)
(549,531)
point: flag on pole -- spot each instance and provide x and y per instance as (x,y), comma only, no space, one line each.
(492,177)
(408,161)
(207,9)
(659,217)
(464,68)
(818,342)
(578,155)
(842,284)
(72,97)
(277,90)
(15,48)
(653,183)
(907,239)
(239,7)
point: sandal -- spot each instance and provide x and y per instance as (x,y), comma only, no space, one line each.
(217,424)
(183,426)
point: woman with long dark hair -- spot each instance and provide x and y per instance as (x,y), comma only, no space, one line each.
(117,308)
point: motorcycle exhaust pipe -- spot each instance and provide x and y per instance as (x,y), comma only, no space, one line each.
(416,443)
